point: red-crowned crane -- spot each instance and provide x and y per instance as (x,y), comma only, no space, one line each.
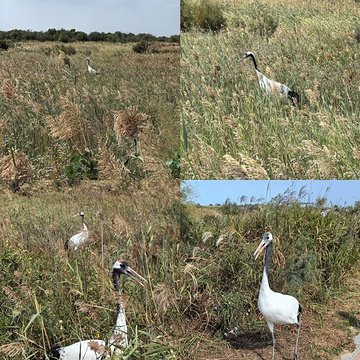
(79,239)
(276,308)
(100,349)
(272,87)
(90,69)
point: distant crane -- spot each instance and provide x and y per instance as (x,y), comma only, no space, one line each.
(79,239)
(91,70)
(97,349)
(276,308)
(272,87)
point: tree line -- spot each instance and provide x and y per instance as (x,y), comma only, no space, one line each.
(68,36)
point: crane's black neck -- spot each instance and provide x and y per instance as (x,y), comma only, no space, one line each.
(116,282)
(254,61)
(267,257)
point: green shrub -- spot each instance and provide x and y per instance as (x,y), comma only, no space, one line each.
(3,45)
(81,167)
(141,47)
(174,164)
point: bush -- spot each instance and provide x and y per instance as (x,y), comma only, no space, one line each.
(4,45)
(81,167)
(174,164)
(141,47)
(67,49)
(205,15)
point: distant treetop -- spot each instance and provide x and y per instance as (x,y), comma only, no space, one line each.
(67,36)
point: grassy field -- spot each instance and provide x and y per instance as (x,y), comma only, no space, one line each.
(315,258)
(232,130)
(59,122)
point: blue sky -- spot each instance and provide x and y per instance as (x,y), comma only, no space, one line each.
(156,17)
(337,192)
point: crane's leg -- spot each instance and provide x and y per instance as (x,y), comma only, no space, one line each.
(271,327)
(298,325)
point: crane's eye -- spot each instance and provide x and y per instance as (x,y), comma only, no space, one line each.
(268,237)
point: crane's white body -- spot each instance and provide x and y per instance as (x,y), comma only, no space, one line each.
(84,350)
(272,87)
(99,349)
(276,308)
(79,239)
(90,69)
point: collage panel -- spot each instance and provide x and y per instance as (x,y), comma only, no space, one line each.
(274,268)
(89,179)
(269,89)
(69,259)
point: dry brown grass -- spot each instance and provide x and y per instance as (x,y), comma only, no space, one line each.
(64,59)
(13,350)
(9,88)
(129,122)
(16,167)
(69,123)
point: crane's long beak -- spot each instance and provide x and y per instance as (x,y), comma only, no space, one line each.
(135,276)
(243,58)
(260,248)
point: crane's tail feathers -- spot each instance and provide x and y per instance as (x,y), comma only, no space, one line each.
(299,313)
(294,97)
(53,353)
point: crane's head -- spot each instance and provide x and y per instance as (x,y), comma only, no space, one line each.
(252,56)
(121,267)
(247,54)
(265,241)
(80,214)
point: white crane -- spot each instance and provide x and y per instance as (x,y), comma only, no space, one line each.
(100,349)
(272,87)
(276,308)
(91,70)
(79,239)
